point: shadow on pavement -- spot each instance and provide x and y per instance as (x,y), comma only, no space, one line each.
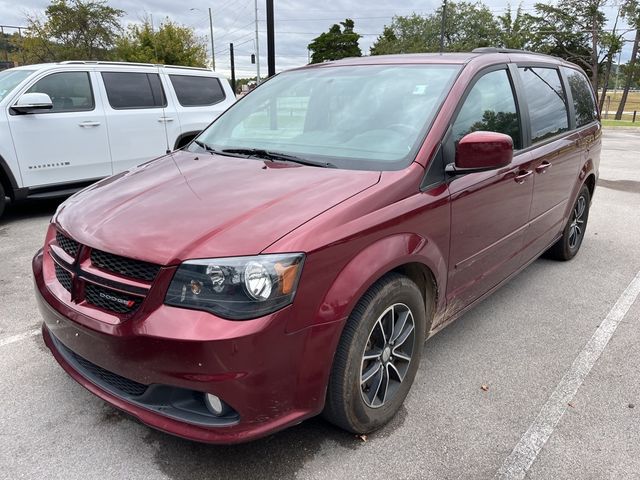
(30,209)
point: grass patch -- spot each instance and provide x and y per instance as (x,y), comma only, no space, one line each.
(621,123)
(613,100)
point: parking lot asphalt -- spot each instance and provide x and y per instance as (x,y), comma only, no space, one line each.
(523,344)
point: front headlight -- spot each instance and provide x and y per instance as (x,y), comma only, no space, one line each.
(237,288)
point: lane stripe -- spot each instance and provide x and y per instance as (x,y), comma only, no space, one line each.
(527,449)
(18,337)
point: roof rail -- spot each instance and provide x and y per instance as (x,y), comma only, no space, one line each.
(504,50)
(132,64)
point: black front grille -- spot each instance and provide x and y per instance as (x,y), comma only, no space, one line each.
(124,266)
(67,244)
(114,380)
(111,300)
(63,277)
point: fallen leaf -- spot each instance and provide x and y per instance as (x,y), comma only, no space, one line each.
(485,388)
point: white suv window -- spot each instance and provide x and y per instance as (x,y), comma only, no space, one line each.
(195,91)
(134,90)
(69,91)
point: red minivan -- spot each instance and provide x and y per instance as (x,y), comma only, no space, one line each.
(293,259)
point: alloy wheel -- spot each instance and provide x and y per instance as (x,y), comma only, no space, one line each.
(387,355)
(576,229)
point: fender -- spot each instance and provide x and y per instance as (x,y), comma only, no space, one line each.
(587,169)
(7,179)
(184,135)
(370,264)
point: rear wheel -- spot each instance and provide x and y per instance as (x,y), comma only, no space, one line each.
(378,356)
(568,245)
(3,200)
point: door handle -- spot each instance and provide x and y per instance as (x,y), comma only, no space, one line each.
(165,119)
(542,168)
(89,124)
(522,175)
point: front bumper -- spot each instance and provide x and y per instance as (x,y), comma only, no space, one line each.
(270,378)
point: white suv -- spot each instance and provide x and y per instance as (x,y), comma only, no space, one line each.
(64,125)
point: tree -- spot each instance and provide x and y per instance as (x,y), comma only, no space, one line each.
(170,44)
(571,30)
(631,11)
(404,35)
(513,31)
(72,30)
(612,41)
(335,44)
(467,26)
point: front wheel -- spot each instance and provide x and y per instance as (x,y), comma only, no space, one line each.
(378,356)
(568,245)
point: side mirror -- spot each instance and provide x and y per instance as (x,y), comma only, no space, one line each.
(33,103)
(479,151)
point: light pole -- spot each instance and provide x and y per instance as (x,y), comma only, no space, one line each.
(257,46)
(213,55)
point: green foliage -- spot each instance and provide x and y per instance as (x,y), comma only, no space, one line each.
(467,26)
(405,35)
(170,44)
(571,30)
(335,44)
(72,30)
(513,31)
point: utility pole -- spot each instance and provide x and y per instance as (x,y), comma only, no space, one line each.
(213,55)
(271,41)
(444,20)
(233,68)
(257,46)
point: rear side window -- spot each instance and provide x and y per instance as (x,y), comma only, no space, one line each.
(547,103)
(195,91)
(490,106)
(69,91)
(584,104)
(134,90)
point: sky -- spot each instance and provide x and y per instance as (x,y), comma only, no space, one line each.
(298,22)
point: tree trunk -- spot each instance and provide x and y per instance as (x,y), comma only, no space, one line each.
(627,83)
(594,54)
(607,75)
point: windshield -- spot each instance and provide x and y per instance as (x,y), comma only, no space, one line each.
(369,117)
(9,79)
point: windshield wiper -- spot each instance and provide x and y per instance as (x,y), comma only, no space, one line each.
(201,144)
(276,156)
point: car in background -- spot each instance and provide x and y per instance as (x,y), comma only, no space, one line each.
(65,125)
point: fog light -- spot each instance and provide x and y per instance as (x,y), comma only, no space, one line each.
(214,404)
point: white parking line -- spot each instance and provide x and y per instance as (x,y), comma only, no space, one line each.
(527,449)
(18,337)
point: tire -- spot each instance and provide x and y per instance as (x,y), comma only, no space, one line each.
(3,200)
(569,244)
(352,404)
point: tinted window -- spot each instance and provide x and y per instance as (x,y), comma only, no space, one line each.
(134,90)
(197,91)
(584,104)
(546,100)
(490,106)
(69,91)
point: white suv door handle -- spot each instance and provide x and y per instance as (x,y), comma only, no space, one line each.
(165,119)
(89,124)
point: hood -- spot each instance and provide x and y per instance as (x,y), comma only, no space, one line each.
(188,205)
